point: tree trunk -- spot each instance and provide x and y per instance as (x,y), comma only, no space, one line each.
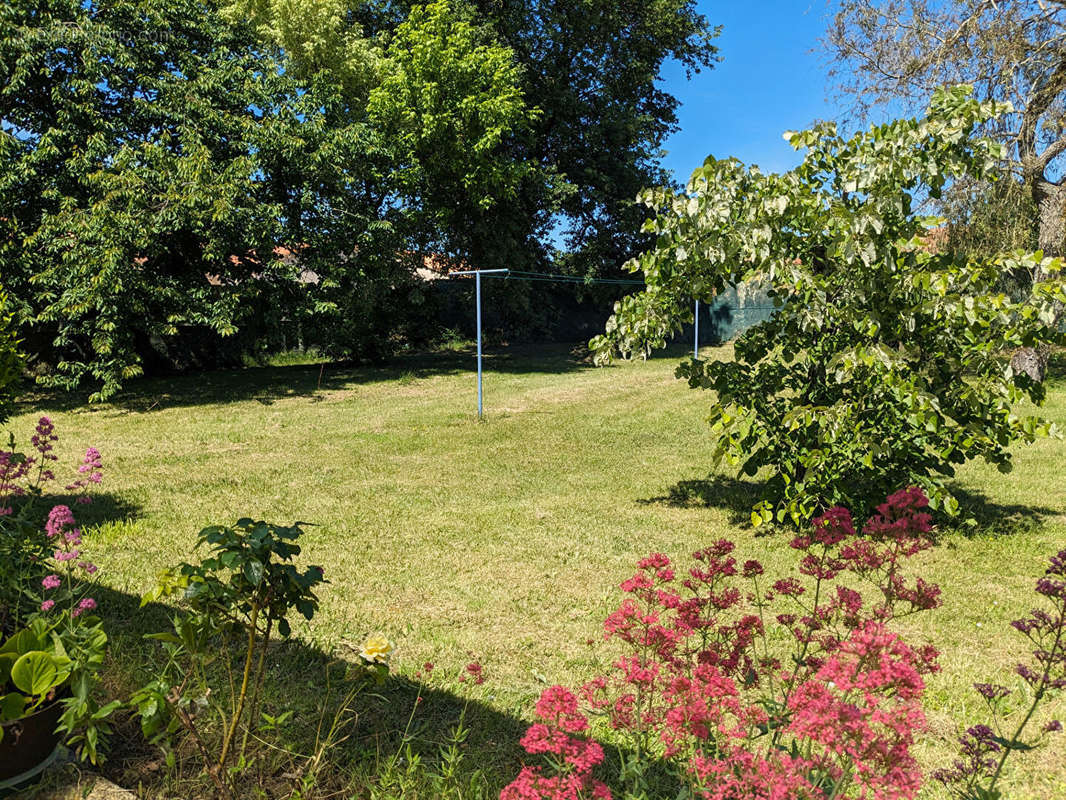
(1050,199)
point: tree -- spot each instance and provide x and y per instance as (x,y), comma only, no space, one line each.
(888,52)
(592,67)
(412,161)
(448,101)
(883,364)
(566,147)
(164,162)
(137,213)
(590,71)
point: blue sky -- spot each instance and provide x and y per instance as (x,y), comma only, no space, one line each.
(772,78)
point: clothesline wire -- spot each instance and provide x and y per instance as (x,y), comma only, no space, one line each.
(524,275)
(547,277)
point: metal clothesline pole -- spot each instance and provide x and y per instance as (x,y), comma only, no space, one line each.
(696,342)
(477,273)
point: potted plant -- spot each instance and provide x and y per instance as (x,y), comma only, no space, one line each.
(49,668)
(51,643)
(34,672)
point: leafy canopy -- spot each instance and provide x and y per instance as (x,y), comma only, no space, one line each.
(134,189)
(449,98)
(882,366)
(160,163)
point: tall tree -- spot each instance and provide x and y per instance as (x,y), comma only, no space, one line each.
(133,196)
(590,140)
(411,161)
(593,68)
(899,51)
(160,159)
(891,52)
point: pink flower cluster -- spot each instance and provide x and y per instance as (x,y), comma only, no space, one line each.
(475,671)
(13,471)
(701,674)
(861,711)
(21,473)
(572,758)
(90,473)
(59,528)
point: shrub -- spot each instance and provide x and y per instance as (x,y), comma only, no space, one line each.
(207,694)
(707,682)
(747,688)
(883,365)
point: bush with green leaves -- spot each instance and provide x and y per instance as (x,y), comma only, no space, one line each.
(233,604)
(884,364)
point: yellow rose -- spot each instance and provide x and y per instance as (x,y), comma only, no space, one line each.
(376,649)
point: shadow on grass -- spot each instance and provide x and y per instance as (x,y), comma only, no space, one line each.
(104,507)
(717,491)
(395,743)
(738,496)
(308,681)
(269,384)
(995,518)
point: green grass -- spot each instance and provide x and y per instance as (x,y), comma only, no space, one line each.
(506,539)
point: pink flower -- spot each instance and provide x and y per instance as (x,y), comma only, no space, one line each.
(43,437)
(558,706)
(87,604)
(691,673)
(90,471)
(52,582)
(864,705)
(48,605)
(476,671)
(58,519)
(92,461)
(65,555)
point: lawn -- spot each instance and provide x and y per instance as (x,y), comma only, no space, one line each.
(505,540)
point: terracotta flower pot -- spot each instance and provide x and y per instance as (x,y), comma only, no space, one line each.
(28,743)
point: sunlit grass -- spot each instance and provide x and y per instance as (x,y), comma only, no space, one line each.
(505,540)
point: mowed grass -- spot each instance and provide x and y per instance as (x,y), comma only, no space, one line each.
(505,540)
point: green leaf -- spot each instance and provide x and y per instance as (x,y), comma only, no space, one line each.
(36,673)
(253,571)
(12,706)
(25,641)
